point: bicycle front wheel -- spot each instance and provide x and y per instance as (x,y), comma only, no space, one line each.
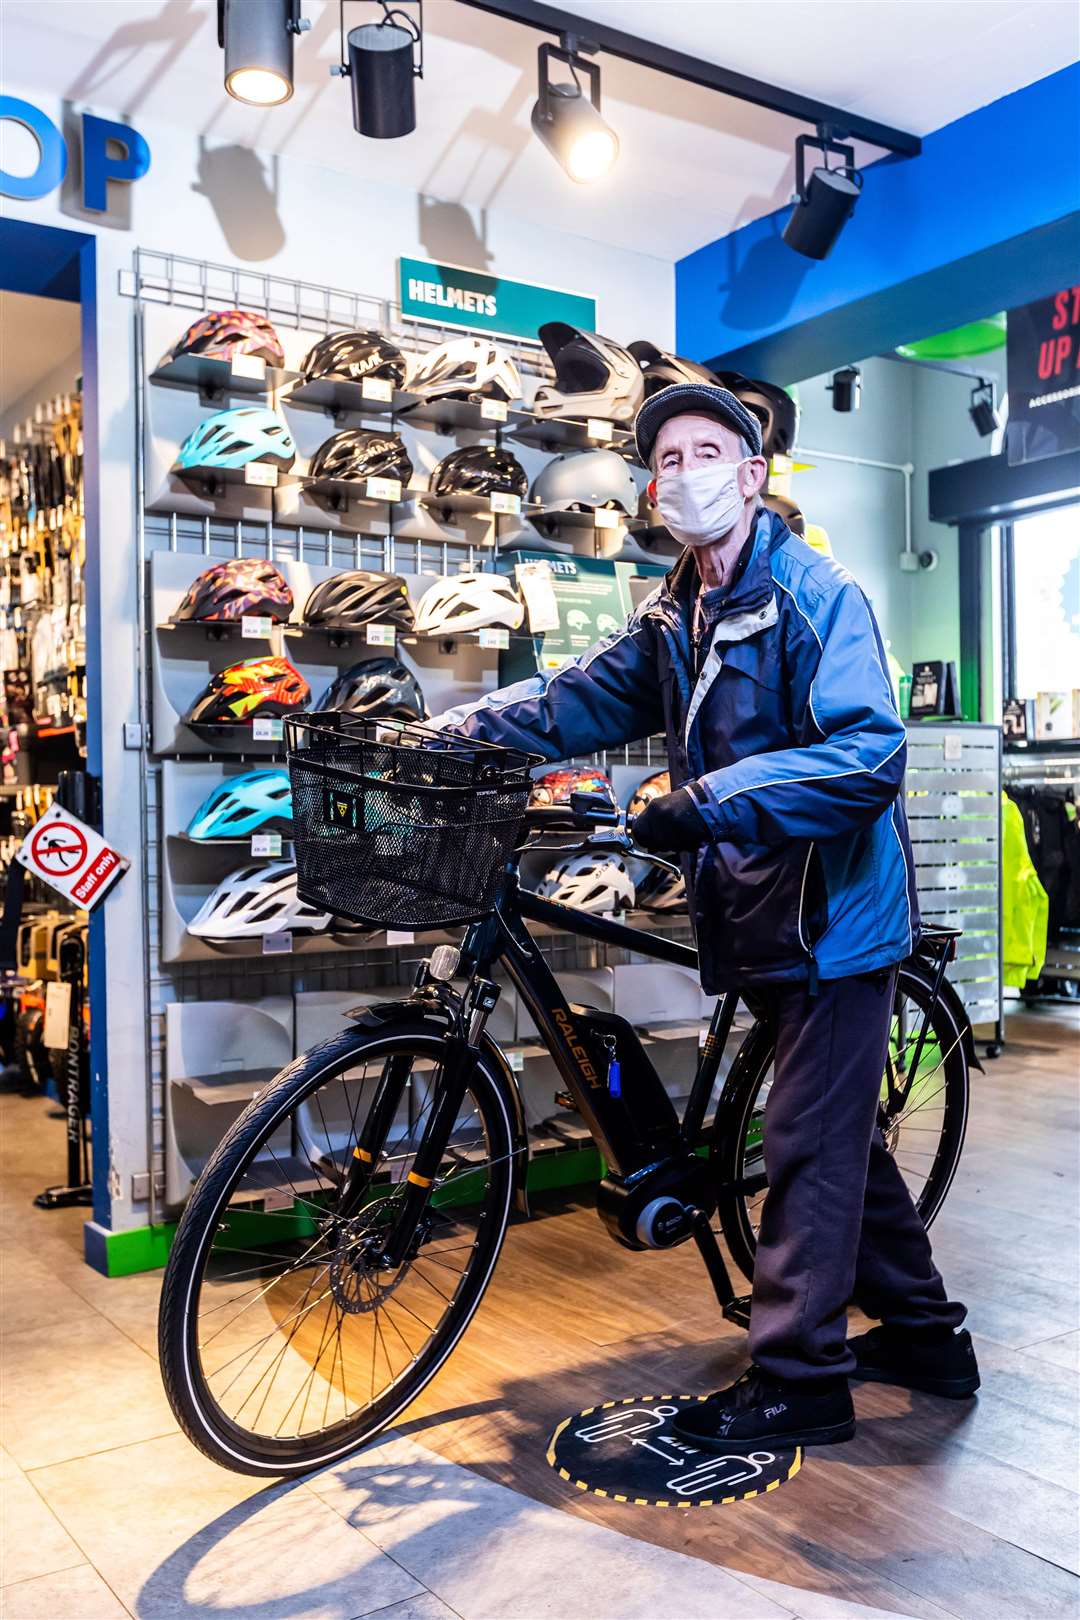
(285,1343)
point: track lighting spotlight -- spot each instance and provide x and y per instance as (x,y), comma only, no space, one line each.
(570,125)
(845,386)
(257,38)
(378,59)
(983,408)
(825,202)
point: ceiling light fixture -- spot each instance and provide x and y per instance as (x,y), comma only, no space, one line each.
(257,38)
(825,202)
(845,386)
(378,59)
(983,408)
(570,125)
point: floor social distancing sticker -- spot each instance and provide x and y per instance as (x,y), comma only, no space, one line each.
(627,1450)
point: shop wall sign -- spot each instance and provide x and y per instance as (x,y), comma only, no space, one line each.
(1044,377)
(451,295)
(71,857)
(110,151)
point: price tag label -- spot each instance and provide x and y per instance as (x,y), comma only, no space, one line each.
(256,626)
(495,640)
(261,474)
(516,1059)
(248,367)
(597,428)
(279,944)
(377,388)
(605,518)
(383,489)
(266,729)
(954,746)
(381,635)
(493,410)
(57,1015)
(400,936)
(266,843)
(503,501)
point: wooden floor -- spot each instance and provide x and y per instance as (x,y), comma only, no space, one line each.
(964,1508)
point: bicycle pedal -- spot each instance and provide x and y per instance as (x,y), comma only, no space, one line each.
(738,1310)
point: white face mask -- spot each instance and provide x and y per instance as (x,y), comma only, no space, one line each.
(702,505)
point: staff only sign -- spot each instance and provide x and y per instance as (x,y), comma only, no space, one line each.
(71,857)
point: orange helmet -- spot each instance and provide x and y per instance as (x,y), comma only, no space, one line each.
(258,686)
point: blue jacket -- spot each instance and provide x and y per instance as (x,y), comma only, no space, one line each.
(792,738)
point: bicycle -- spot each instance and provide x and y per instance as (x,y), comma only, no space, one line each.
(342,1235)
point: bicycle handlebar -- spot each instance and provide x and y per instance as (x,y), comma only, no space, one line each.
(603,820)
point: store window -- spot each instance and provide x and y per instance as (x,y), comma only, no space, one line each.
(1046,601)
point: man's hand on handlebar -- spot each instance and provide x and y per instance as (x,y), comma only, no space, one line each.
(671,823)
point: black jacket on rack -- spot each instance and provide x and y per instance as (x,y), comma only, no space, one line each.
(1052,827)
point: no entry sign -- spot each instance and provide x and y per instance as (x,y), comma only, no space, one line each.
(70,856)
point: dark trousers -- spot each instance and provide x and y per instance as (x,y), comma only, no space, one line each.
(838,1223)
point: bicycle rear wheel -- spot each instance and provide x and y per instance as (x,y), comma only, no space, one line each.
(923,1116)
(283,1344)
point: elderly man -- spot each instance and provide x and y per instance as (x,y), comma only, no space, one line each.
(762,662)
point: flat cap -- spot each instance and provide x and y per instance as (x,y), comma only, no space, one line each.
(694,397)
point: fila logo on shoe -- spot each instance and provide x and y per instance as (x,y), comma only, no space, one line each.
(775,1411)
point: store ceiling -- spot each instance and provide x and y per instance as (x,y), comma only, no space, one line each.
(694,164)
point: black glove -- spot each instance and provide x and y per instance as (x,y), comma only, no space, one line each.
(672,823)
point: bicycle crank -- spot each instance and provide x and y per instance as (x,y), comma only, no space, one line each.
(656,1207)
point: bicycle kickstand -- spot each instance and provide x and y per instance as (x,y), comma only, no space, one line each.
(736,1307)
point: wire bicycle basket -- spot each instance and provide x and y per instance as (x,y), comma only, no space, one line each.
(398,825)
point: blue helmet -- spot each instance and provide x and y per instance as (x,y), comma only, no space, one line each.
(257,801)
(235,438)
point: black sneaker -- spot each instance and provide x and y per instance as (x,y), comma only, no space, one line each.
(939,1365)
(761,1411)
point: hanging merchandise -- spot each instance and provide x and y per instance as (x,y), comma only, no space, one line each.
(355,454)
(376,689)
(237,438)
(593,376)
(465,368)
(479,469)
(254,900)
(358,597)
(648,789)
(588,481)
(590,880)
(774,408)
(662,370)
(660,890)
(224,333)
(1025,905)
(268,687)
(231,590)
(256,801)
(352,356)
(555,787)
(461,602)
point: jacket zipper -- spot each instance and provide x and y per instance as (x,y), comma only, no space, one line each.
(812,967)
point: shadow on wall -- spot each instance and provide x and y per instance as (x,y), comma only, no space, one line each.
(243,192)
(174,26)
(761,290)
(450,235)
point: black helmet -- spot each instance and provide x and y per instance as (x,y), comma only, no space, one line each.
(376,689)
(479,469)
(789,510)
(352,356)
(661,369)
(774,408)
(349,601)
(356,454)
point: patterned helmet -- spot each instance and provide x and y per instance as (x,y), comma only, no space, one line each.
(229,590)
(226,332)
(555,787)
(352,356)
(356,454)
(653,787)
(376,689)
(258,686)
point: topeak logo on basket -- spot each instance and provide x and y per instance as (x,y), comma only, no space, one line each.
(584,1062)
(340,809)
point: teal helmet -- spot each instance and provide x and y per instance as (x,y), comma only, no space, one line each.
(257,801)
(236,438)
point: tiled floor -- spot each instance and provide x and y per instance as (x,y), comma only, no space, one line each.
(107,1511)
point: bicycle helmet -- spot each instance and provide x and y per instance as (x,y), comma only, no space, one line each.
(257,686)
(593,376)
(376,689)
(257,899)
(226,332)
(606,624)
(587,481)
(236,438)
(356,454)
(460,602)
(555,787)
(255,801)
(648,789)
(479,469)
(229,590)
(774,408)
(660,369)
(465,368)
(590,880)
(352,356)
(790,511)
(659,890)
(353,599)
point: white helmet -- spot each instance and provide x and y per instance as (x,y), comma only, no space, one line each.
(577,620)
(460,602)
(593,376)
(606,624)
(590,880)
(464,368)
(256,899)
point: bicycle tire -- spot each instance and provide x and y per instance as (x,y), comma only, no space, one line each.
(198,1414)
(735,1132)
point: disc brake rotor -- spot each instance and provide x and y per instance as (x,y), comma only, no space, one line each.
(357,1281)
